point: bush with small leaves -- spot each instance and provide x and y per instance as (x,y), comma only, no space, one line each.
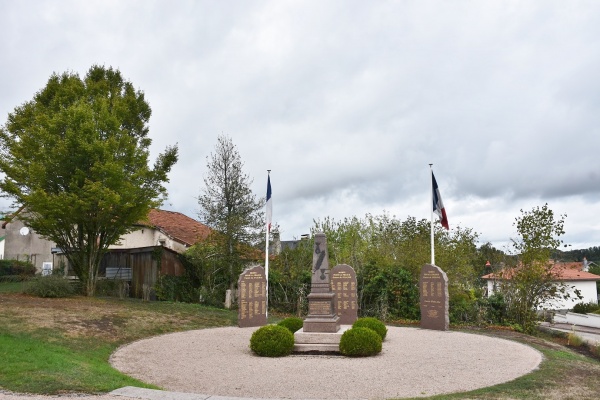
(50,286)
(584,308)
(272,341)
(292,323)
(360,342)
(371,323)
(16,271)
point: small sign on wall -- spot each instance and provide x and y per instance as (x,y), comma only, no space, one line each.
(46,268)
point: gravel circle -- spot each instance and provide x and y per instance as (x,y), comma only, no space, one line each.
(413,363)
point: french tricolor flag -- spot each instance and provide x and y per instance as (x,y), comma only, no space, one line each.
(438,205)
(269,205)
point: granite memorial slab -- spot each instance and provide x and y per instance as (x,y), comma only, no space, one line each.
(252,297)
(343,284)
(433,286)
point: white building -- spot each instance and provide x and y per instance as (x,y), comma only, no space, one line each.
(571,275)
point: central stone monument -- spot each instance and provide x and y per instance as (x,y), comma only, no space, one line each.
(321,300)
(321,331)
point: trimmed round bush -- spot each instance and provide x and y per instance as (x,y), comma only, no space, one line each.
(272,341)
(292,323)
(360,342)
(371,323)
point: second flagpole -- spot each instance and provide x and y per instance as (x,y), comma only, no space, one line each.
(431,207)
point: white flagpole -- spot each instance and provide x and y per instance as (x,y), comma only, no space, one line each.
(267,252)
(431,209)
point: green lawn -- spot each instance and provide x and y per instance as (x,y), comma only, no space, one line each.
(51,346)
(11,287)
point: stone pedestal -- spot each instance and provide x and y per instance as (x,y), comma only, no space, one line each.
(321,313)
(318,341)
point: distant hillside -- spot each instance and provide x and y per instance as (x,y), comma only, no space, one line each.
(592,254)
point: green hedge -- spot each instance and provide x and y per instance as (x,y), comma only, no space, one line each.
(584,308)
(16,268)
(51,286)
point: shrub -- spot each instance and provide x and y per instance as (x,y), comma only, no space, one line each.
(574,340)
(292,323)
(50,286)
(112,288)
(177,288)
(16,268)
(360,342)
(13,278)
(107,287)
(495,308)
(373,324)
(584,308)
(272,341)
(389,294)
(595,349)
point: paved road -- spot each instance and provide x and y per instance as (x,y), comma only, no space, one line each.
(590,335)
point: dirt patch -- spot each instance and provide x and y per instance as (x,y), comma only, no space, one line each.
(80,316)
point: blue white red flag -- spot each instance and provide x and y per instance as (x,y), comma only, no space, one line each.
(438,205)
(269,205)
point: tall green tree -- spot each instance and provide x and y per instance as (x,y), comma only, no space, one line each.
(532,283)
(75,158)
(229,207)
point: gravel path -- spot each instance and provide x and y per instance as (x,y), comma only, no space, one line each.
(414,362)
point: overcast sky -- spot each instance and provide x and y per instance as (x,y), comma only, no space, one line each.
(348,102)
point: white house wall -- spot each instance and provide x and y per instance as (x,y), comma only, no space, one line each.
(140,238)
(587,290)
(147,237)
(26,247)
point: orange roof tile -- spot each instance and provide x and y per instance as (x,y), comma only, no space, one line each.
(564,271)
(179,226)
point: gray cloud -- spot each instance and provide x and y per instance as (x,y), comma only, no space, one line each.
(348,102)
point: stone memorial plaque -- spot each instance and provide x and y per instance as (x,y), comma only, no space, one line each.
(252,300)
(321,300)
(433,285)
(343,284)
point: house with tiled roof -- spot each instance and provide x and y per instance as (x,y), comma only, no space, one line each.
(141,256)
(169,229)
(152,249)
(572,274)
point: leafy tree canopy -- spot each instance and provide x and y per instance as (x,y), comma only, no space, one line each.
(531,284)
(229,207)
(76,158)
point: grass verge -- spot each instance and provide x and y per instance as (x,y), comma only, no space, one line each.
(53,346)
(36,366)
